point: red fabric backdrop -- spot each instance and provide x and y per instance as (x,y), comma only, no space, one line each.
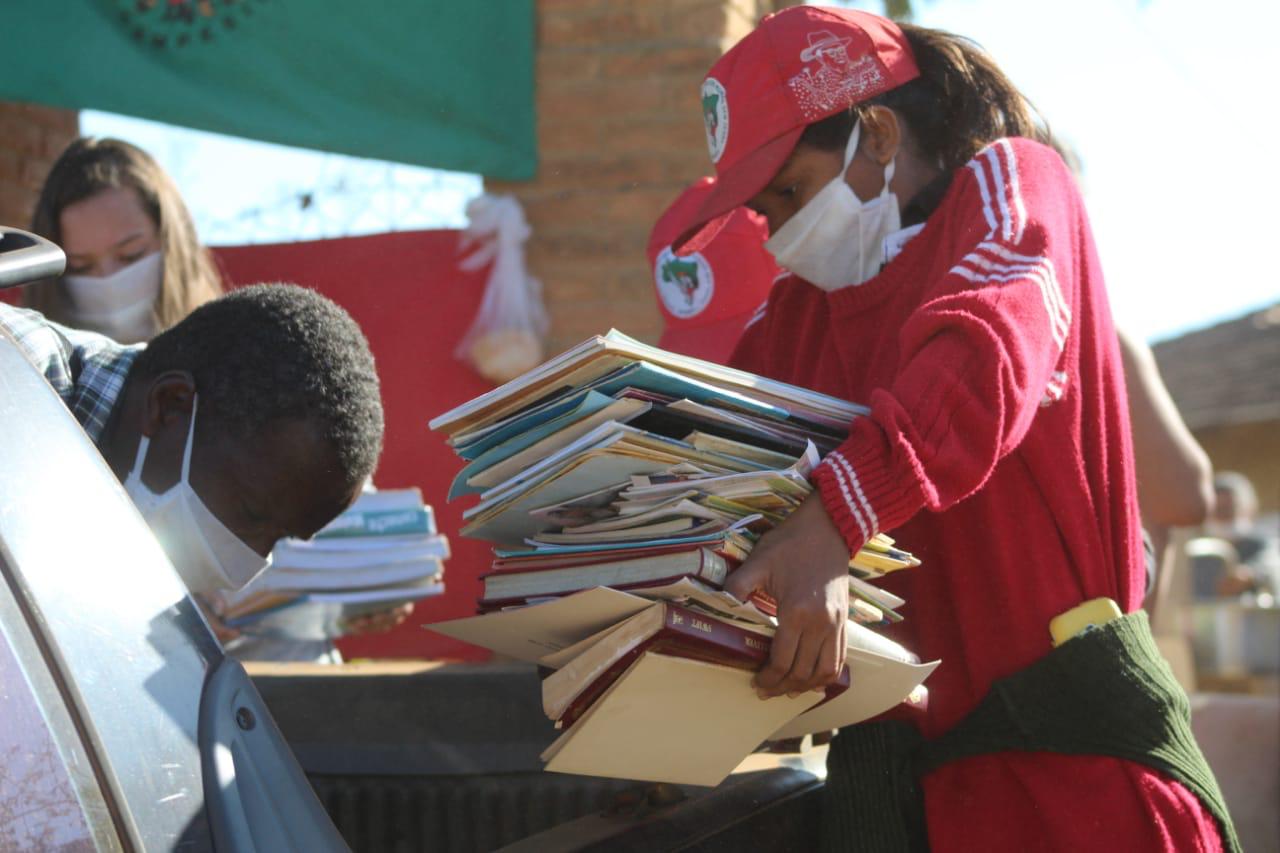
(406,292)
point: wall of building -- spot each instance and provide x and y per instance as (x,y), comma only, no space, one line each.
(31,138)
(619,136)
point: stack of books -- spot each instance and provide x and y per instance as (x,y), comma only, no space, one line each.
(624,471)
(382,552)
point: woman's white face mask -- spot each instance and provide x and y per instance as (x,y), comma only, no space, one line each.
(837,239)
(207,555)
(120,305)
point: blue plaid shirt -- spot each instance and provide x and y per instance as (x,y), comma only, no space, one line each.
(87,370)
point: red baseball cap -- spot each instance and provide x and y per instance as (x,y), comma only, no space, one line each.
(798,66)
(707,297)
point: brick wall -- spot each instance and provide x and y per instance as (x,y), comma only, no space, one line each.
(619,136)
(31,138)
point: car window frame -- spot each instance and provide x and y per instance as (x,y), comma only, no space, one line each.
(98,809)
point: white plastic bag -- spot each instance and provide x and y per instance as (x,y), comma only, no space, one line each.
(505,340)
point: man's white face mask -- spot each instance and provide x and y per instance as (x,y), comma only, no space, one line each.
(837,239)
(120,305)
(206,554)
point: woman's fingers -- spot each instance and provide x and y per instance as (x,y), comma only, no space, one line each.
(781,657)
(805,666)
(829,660)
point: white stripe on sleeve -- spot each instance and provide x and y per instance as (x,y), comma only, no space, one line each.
(1020,210)
(975,166)
(857,487)
(848,498)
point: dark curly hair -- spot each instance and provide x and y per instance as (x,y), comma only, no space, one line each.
(278,351)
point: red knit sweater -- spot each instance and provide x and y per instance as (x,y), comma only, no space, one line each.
(998,451)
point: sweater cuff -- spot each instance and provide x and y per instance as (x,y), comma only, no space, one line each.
(859,489)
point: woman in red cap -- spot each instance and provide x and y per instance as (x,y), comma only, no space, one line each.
(943,272)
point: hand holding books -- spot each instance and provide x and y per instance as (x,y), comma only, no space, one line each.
(802,554)
(359,574)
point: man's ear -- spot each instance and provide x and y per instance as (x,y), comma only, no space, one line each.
(881,134)
(169,398)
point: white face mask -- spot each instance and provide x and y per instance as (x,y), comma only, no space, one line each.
(206,554)
(120,305)
(837,239)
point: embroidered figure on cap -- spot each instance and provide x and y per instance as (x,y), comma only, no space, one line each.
(837,81)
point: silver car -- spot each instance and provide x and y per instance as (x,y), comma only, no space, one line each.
(123,726)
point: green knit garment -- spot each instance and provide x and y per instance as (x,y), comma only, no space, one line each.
(1105,692)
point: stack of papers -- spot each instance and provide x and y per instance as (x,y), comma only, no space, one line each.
(624,472)
(382,552)
(644,464)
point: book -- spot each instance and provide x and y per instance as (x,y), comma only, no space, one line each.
(321,616)
(537,631)
(673,719)
(623,439)
(389,522)
(670,526)
(874,563)
(281,578)
(392,512)
(504,461)
(508,521)
(299,555)
(633,514)
(726,543)
(876,684)
(702,563)
(663,626)
(472,443)
(779,436)
(883,602)
(729,447)
(598,356)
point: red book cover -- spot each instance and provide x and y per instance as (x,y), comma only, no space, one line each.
(689,633)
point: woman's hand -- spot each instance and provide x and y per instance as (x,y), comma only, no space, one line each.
(379,622)
(803,565)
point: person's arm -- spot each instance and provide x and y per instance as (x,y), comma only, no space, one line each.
(978,356)
(1175,479)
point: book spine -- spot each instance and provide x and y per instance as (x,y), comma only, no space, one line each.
(715,568)
(687,634)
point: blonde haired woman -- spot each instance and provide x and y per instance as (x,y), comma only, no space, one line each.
(134,264)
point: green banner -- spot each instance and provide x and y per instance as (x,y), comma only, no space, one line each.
(447,85)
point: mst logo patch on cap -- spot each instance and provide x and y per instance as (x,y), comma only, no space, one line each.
(684,284)
(715,113)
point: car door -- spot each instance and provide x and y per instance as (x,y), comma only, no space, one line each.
(184,755)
